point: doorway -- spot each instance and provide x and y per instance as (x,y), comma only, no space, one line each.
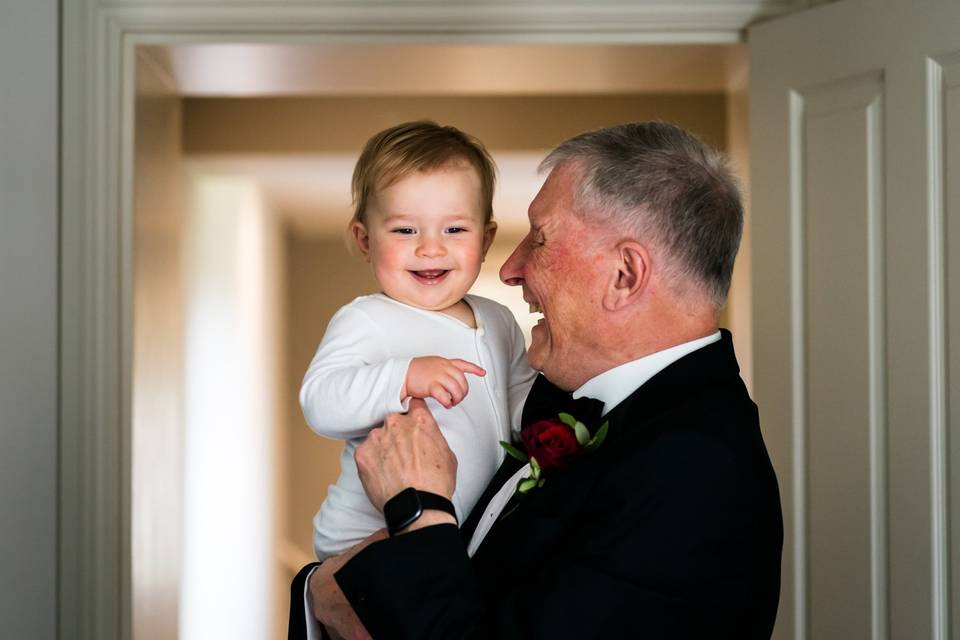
(243,155)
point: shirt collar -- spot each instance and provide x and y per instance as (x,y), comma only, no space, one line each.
(613,385)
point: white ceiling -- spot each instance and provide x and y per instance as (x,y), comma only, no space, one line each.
(245,70)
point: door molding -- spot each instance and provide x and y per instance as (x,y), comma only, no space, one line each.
(99,47)
(942,74)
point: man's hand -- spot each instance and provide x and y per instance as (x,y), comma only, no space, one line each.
(408,451)
(442,379)
(330,606)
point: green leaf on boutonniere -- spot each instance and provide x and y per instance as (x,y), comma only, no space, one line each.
(582,433)
(541,482)
(568,420)
(535,468)
(597,440)
(526,485)
(513,451)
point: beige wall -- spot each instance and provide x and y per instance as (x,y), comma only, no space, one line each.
(234,268)
(274,318)
(157,359)
(302,125)
(738,315)
(322,275)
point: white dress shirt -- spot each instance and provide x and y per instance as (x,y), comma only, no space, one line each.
(611,387)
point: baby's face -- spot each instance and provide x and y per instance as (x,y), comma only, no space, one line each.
(426,238)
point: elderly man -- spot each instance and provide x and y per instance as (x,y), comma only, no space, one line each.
(644,504)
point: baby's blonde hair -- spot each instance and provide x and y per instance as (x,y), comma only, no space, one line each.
(423,145)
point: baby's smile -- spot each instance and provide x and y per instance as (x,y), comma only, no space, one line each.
(430,276)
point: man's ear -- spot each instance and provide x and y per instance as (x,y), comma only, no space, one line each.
(489,233)
(359,232)
(630,278)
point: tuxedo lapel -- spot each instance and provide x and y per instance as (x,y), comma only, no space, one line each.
(541,515)
(509,467)
(545,401)
(545,509)
(679,383)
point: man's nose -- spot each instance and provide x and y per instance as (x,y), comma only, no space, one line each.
(511,273)
(431,247)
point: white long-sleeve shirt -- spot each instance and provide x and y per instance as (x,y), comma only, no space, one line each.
(355,379)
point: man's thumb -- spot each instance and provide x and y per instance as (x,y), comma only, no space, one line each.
(417,404)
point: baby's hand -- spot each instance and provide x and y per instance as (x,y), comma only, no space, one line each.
(439,378)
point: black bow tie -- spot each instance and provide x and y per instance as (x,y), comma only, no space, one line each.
(546,400)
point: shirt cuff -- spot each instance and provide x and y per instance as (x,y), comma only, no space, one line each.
(398,376)
(314,630)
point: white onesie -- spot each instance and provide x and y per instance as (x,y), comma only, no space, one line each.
(355,378)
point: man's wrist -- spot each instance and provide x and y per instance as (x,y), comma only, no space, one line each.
(409,505)
(428,518)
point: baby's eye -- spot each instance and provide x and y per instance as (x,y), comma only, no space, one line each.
(456,229)
(404,230)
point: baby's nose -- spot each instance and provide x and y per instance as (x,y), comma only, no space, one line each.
(430,247)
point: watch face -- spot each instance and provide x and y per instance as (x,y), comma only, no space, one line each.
(402,510)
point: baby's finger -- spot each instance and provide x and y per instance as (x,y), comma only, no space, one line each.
(439,393)
(468,367)
(456,387)
(457,379)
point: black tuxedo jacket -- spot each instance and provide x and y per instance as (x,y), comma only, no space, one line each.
(671,529)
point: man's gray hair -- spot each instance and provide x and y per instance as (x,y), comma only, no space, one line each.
(665,185)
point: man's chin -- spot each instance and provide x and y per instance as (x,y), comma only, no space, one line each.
(536,354)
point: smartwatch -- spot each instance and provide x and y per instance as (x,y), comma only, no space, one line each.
(403,509)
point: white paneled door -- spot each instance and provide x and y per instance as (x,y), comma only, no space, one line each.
(855,127)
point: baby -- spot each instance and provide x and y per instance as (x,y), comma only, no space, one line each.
(423,219)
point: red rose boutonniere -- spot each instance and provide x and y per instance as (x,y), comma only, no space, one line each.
(552,445)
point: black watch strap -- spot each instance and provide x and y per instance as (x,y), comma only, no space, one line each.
(406,507)
(434,501)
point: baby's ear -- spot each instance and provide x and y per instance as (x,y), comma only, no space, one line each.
(359,232)
(489,233)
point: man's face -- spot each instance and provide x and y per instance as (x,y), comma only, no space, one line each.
(559,265)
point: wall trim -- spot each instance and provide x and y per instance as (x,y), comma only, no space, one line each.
(798,340)
(877,332)
(98,57)
(162,74)
(936,269)
(626,21)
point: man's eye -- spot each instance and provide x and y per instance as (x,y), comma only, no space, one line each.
(404,230)
(535,237)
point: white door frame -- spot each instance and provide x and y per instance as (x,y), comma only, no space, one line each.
(99,40)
